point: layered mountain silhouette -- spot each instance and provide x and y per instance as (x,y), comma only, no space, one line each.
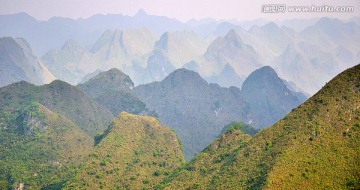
(49,34)
(172,51)
(324,50)
(70,62)
(123,49)
(227,48)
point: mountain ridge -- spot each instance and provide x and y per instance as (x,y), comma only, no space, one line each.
(136,152)
(314,146)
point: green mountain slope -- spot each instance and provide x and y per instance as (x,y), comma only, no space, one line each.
(135,153)
(316,146)
(39,148)
(113,89)
(59,97)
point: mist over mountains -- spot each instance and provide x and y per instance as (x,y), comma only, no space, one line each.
(149,47)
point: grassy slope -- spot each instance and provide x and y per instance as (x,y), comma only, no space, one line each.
(206,165)
(316,146)
(136,152)
(39,148)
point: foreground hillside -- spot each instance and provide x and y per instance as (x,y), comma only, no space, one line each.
(316,146)
(39,148)
(134,153)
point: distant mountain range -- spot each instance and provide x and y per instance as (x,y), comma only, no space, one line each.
(149,47)
(51,34)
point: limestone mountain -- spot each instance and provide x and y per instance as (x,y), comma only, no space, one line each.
(61,98)
(17,63)
(172,51)
(127,50)
(181,47)
(40,149)
(71,62)
(233,51)
(269,97)
(315,146)
(124,45)
(123,49)
(136,152)
(183,99)
(187,103)
(113,89)
(226,78)
(157,68)
(266,54)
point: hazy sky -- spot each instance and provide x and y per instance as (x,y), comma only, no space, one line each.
(180,9)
